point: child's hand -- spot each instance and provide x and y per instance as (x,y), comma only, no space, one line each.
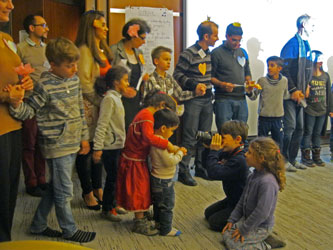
(27,83)
(216,143)
(227,227)
(97,155)
(172,148)
(16,94)
(184,150)
(85,148)
(145,77)
(307,91)
(237,235)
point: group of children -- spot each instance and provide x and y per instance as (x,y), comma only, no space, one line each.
(57,103)
(273,90)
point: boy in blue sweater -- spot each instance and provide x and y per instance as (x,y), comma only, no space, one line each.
(226,162)
(57,104)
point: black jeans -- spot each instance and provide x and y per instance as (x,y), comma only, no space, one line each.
(90,173)
(217,214)
(10,164)
(163,196)
(110,161)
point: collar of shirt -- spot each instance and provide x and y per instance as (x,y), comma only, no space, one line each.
(33,44)
(198,47)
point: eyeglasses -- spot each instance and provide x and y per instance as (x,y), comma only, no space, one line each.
(142,38)
(44,25)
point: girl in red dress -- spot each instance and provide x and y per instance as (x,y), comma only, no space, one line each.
(133,181)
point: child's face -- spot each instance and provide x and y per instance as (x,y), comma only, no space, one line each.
(229,143)
(122,85)
(166,132)
(251,159)
(273,68)
(65,69)
(163,62)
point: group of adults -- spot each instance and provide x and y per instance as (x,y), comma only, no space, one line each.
(226,69)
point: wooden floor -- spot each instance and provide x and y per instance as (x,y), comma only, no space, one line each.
(304,216)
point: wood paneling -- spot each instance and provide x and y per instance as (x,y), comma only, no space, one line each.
(116,21)
(62,18)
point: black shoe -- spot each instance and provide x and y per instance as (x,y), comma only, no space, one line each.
(186,179)
(34,191)
(94,207)
(202,173)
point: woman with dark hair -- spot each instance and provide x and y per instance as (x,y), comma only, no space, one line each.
(95,60)
(127,53)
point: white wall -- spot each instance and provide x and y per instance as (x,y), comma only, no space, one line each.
(267,26)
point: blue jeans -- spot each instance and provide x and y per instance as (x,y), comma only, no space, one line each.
(198,115)
(293,129)
(313,125)
(229,109)
(273,125)
(163,196)
(331,136)
(59,194)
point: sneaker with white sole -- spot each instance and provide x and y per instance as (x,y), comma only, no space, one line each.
(299,165)
(290,167)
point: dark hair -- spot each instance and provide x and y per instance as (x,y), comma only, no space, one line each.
(206,27)
(103,84)
(155,97)
(165,117)
(234,29)
(301,20)
(61,50)
(86,36)
(317,54)
(144,27)
(156,53)
(28,20)
(276,59)
(235,128)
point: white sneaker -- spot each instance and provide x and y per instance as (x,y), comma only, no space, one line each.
(290,167)
(299,165)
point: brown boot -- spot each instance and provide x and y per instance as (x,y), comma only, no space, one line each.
(306,158)
(143,226)
(316,157)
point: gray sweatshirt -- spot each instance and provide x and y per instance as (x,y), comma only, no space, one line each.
(257,203)
(272,94)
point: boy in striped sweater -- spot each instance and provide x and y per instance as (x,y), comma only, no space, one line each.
(57,104)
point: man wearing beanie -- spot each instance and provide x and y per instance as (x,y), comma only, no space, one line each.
(230,70)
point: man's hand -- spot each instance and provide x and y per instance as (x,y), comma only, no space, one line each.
(85,148)
(228,86)
(297,96)
(200,89)
(216,143)
(97,156)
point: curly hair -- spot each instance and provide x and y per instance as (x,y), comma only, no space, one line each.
(273,161)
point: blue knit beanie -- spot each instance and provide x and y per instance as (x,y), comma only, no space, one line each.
(234,29)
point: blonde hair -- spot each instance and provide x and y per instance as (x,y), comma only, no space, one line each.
(61,50)
(265,148)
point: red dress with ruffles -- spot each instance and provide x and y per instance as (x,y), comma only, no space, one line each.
(133,180)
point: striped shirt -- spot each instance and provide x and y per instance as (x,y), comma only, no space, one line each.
(194,67)
(57,104)
(168,85)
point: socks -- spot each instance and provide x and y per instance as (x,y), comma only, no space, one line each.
(48,232)
(82,236)
(174,232)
